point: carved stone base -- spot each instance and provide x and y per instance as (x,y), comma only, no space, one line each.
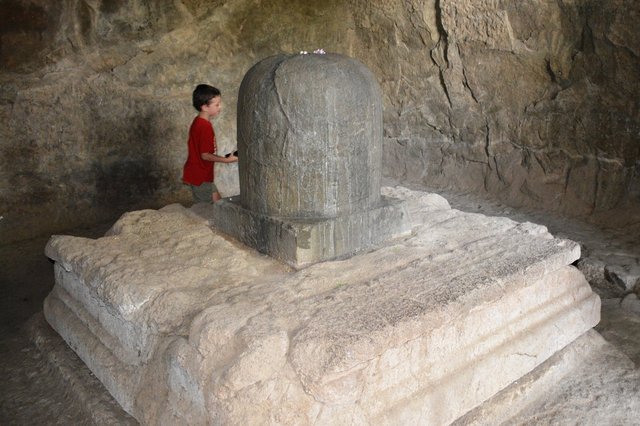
(303,242)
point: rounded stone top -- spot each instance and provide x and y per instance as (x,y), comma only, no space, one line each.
(309,136)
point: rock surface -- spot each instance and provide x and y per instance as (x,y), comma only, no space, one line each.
(534,102)
(179,323)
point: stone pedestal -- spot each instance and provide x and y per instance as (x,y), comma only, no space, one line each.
(310,161)
(184,326)
(301,242)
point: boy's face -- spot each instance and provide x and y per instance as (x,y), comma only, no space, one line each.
(213,107)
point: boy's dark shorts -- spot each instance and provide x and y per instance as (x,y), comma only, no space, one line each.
(203,193)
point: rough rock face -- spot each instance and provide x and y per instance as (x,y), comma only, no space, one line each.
(532,101)
(535,102)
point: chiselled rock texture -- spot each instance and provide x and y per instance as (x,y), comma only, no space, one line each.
(534,102)
(183,326)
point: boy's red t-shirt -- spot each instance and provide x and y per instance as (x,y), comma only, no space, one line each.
(202,138)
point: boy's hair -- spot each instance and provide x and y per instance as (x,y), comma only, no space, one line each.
(202,94)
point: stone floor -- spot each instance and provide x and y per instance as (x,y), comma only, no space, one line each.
(33,392)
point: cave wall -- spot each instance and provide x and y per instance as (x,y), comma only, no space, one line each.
(533,102)
(537,105)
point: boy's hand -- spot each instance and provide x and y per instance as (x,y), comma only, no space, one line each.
(232,157)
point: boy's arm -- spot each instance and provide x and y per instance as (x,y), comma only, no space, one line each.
(208,156)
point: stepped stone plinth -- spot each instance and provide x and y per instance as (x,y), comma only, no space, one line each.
(310,161)
(184,326)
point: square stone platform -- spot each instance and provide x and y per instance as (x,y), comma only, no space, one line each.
(183,325)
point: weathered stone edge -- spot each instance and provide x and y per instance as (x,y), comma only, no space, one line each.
(91,394)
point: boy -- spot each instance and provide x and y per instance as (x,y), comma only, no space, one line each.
(198,169)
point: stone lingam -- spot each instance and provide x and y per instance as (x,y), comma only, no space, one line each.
(183,326)
(310,149)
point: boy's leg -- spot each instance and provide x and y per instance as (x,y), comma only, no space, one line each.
(215,194)
(203,193)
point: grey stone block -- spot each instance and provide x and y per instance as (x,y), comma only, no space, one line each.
(301,242)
